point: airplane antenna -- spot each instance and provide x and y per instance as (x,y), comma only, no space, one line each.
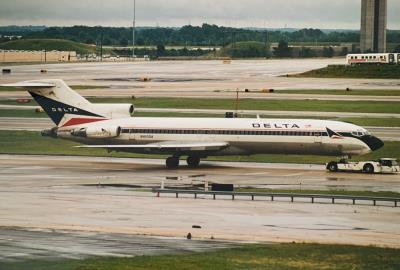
(237,101)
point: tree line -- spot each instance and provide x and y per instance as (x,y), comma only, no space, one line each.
(205,35)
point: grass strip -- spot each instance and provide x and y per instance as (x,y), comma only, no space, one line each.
(374,122)
(355,71)
(352,92)
(274,256)
(251,104)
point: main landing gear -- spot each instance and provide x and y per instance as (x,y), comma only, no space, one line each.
(173,162)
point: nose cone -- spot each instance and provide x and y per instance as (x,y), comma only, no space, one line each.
(373,142)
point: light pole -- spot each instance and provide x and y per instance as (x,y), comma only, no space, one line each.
(133,29)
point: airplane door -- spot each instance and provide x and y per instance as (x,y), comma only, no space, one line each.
(132,136)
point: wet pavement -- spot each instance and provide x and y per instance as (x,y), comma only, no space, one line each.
(29,171)
(18,244)
(77,196)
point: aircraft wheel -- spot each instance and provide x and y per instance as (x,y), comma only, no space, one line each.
(332,166)
(368,168)
(172,162)
(193,162)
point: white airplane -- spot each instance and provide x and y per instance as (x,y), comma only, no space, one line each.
(112,127)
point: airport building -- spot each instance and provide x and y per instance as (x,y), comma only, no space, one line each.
(7,56)
(373,26)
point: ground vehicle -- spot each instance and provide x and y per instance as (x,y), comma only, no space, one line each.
(373,58)
(383,165)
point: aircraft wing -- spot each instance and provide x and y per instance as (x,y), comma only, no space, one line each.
(168,147)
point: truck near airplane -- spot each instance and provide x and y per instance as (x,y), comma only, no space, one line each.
(112,127)
(383,165)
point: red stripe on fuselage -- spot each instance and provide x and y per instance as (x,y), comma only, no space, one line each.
(80,121)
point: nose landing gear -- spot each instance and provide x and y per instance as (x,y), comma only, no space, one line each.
(193,161)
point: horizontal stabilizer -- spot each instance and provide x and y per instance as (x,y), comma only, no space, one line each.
(29,85)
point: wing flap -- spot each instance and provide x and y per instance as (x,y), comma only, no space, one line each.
(166,146)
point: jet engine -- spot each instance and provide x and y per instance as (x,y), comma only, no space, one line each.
(114,111)
(97,132)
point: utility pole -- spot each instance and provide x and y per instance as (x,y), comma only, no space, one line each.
(101,45)
(237,102)
(133,29)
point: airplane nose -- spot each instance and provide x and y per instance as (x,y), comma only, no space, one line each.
(373,142)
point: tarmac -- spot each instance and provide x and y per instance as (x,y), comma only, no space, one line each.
(105,196)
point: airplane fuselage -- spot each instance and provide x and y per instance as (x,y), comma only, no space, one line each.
(245,136)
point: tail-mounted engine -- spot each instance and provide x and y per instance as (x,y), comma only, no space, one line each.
(113,111)
(97,132)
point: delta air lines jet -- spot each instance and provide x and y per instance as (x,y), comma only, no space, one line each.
(112,127)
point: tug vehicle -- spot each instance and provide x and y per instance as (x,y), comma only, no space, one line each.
(383,165)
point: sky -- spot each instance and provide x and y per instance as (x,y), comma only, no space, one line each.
(327,14)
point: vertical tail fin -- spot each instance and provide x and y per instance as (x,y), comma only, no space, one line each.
(58,100)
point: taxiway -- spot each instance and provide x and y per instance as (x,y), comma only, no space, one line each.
(63,193)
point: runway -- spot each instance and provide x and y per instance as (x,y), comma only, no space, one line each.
(38,124)
(63,193)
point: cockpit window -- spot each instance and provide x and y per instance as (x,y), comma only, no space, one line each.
(359,133)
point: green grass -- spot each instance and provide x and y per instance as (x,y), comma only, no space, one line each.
(372,122)
(252,104)
(355,92)
(20,142)
(48,45)
(377,122)
(357,71)
(332,191)
(255,257)
(22,113)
